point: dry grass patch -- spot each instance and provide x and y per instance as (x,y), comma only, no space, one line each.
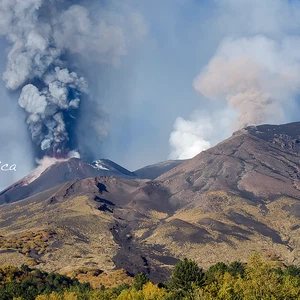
(27,242)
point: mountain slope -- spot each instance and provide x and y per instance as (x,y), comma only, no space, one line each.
(59,173)
(256,163)
(237,197)
(239,192)
(153,171)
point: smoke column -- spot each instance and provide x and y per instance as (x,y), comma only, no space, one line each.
(258,81)
(257,77)
(44,36)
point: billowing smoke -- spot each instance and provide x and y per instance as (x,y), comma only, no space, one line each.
(44,36)
(187,139)
(200,132)
(46,108)
(257,77)
(45,163)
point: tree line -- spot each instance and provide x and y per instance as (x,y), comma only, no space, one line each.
(256,279)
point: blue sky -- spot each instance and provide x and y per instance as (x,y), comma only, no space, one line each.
(183,37)
(161,85)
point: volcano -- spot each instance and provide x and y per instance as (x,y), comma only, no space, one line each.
(242,195)
(59,172)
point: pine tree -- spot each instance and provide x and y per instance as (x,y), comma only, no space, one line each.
(186,277)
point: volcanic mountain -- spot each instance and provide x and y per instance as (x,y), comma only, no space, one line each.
(58,172)
(240,196)
(62,171)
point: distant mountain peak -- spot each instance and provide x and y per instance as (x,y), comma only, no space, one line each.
(55,173)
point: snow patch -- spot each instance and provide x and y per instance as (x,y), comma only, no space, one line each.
(98,164)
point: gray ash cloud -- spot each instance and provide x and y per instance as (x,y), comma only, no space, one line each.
(44,36)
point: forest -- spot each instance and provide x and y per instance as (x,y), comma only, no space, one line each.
(258,278)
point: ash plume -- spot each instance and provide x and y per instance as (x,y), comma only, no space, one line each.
(257,79)
(256,76)
(44,36)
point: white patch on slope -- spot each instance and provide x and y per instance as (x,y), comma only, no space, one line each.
(98,164)
(45,163)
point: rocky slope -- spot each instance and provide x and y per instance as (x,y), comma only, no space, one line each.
(153,171)
(237,197)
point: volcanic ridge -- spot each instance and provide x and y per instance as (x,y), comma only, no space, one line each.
(242,195)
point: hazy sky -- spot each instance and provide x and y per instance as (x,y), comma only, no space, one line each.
(193,72)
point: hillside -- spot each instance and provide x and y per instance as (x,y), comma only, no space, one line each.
(153,171)
(58,173)
(237,197)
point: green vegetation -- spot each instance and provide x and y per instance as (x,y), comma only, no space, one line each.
(26,283)
(186,277)
(258,279)
(139,281)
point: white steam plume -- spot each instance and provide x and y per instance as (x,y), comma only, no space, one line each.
(45,163)
(42,35)
(201,131)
